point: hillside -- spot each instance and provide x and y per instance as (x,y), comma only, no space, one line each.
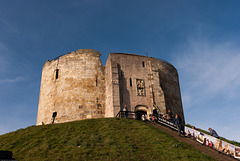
(97,139)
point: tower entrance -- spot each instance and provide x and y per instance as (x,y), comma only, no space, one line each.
(139,114)
(141,110)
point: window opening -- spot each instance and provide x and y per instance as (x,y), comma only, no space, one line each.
(96,81)
(143,64)
(130,80)
(140,87)
(57,72)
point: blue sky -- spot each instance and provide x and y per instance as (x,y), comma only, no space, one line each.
(199,37)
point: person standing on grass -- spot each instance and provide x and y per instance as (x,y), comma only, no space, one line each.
(177,123)
(213,133)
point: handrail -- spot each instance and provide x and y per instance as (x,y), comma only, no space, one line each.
(156,107)
(123,113)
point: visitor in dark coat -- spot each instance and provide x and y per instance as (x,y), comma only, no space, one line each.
(177,123)
(213,133)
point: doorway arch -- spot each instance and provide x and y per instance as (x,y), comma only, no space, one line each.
(141,110)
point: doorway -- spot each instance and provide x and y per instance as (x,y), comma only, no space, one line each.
(139,114)
(141,110)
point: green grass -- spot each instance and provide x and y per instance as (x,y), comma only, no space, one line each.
(97,139)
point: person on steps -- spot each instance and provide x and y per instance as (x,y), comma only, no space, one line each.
(177,123)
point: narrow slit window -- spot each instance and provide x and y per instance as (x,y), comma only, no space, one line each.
(57,72)
(130,80)
(143,64)
(96,81)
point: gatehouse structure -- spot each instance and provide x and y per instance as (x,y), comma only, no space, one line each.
(76,86)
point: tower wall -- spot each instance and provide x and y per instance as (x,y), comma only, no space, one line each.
(73,86)
(77,86)
(160,87)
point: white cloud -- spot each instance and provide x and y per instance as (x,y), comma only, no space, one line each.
(208,70)
(11,80)
(210,84)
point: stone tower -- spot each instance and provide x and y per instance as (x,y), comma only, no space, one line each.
(73,86)
(142,83)
(76,86)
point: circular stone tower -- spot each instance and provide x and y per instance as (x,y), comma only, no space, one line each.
(72,88)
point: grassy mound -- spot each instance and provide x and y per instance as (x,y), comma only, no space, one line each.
(97,139)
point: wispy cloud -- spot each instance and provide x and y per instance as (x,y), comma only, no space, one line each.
(210,83)
(11,80)
(5,66)
(208,70)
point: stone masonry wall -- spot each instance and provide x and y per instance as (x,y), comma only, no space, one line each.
(73,86)
(160,79)
(108,90)
(77,86)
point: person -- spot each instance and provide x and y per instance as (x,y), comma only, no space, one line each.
(207,142)
(143,117)
(189,134)
(158,114)
(211,144)
(194,132)
(213,132)
(170,115)
(151,117)
(125,110)
(155,111)
(177,123)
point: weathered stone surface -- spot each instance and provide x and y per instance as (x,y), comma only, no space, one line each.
(77,86)
(78,90)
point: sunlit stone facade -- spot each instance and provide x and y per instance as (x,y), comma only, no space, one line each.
(76,86)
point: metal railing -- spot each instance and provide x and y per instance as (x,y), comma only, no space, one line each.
(158,119)
(126,114)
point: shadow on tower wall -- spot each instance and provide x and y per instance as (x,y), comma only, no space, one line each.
(124,93)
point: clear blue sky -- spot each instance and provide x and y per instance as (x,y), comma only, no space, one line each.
(199,37)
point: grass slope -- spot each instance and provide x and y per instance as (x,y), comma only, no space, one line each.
(97,139)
